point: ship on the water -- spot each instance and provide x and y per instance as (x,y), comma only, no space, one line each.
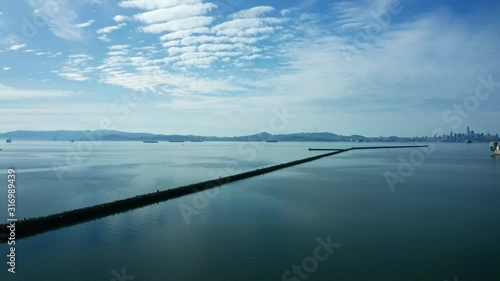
(8,140)
(150,141)
(495,147)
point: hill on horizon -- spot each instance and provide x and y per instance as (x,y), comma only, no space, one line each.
(111,135)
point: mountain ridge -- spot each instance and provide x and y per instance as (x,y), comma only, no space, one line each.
(112,135)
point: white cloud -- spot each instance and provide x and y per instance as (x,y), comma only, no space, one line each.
(79,59)
(285,12)
(356,15)
(252,57)
(155,4)
(218,47)
(186,24)
(104,38)
(135,72)
(252,12)
(195,55)
(239,26)
(120,18)
(85,24)
(184,33)
(117,53)
(61,109)
(176,50)
(49,54)
(174,13)
(17,47)
(109,29)
(56,54)
(6,68)
(59,16)
(224,55)
(75,76)
(11,93)
(251,31)
(176,25)
(193,40)
(76,68)
(219,104)
(119,47)
(171,43)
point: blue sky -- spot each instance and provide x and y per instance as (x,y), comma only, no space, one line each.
(226,67)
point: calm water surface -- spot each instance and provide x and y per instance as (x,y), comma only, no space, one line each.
(442,222)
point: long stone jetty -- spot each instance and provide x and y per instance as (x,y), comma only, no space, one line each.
(34,226)
(367,147)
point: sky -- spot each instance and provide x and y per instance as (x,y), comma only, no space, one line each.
(234,67)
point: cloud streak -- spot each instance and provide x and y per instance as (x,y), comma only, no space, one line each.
(60,16)
(17,47)
(8,93)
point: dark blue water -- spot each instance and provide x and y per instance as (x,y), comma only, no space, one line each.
(440,221)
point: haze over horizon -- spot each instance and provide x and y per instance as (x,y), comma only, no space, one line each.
(493,134)
(229,68)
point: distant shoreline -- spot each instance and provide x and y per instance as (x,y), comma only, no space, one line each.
(263,141)
(110,135)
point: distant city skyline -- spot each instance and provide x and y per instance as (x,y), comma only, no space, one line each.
(226,68)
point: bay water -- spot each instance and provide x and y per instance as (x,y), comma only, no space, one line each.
(392,214)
